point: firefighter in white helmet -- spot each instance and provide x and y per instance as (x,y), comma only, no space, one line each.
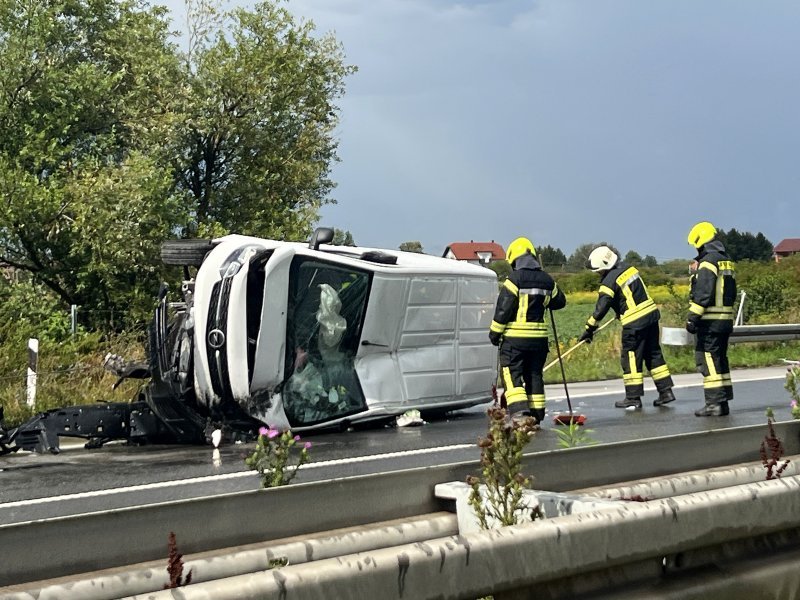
(623,290)
(520,330)
(712,295)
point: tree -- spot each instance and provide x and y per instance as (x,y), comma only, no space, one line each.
(258,144)
(342,238)
(112,140)
(745,245)
(578,259)
(633,258)
(551,257)
(650,261)
(411,247)
(501,268)
(88,97)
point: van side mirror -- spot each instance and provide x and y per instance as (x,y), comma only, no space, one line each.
(322,235)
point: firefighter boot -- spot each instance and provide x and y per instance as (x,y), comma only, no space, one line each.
(664,397)
(713,410)
(629,403)
(538,414)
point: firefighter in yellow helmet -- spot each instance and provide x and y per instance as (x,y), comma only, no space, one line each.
(623,290)
(711,299)
(519,329)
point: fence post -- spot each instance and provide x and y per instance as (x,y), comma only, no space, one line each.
(740,313)
(33,362)
(73,315)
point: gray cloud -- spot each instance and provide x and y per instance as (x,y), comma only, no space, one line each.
(568,121)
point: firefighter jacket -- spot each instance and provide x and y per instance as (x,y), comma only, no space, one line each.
(623,290)
(713,288)
(525,296)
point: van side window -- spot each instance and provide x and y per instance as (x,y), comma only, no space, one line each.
(326,312)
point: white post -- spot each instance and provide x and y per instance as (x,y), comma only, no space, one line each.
(74,318)
(33,361)
(740,313)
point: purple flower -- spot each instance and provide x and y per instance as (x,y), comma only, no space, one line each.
(307,446)
(794,403)
(262,431)
(297,438)
(272,433)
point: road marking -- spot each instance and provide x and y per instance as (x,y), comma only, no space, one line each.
(227,476)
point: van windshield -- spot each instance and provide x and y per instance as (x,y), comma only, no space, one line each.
(325,316)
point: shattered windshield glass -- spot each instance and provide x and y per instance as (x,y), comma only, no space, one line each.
(326,311)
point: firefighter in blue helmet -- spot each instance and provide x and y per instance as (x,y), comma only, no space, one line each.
(623,290)
(520,330)
(712,295)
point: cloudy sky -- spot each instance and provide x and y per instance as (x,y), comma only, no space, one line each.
(567,121)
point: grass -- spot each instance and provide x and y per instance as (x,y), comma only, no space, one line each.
(601,359)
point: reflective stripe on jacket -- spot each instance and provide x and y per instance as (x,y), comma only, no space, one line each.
(525,296)
(623,290)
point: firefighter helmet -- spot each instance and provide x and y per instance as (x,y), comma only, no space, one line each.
(701,234)
(519,247)
(602,258)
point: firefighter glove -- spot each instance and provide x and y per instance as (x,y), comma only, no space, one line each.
(495,338)
(587,335)
(691,323)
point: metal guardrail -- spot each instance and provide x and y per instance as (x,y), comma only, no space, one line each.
(79,544)
(677,336)
(766,333)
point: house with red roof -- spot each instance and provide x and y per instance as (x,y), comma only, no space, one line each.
(786,248)
(477,253)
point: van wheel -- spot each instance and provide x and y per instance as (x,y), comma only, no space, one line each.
(185,253)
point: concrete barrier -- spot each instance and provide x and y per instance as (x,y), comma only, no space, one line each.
(233,562)
(521,557)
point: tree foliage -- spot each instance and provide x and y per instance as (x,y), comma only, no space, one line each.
(633,258)
(501,268)
(577,259)
(745,245)
(257,146)
(87,94)
(342,237)
(113,140)
(551,257)
(414,246)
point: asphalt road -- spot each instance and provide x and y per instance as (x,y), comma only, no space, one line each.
(76,481)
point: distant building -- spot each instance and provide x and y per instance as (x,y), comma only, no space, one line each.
(786,248)
(477,253)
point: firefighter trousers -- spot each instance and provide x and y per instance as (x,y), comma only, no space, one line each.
(642,347)
(711,358)
(521,367)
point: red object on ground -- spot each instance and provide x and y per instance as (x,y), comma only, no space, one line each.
(568,419)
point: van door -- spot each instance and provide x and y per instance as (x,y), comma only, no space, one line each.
(268,363)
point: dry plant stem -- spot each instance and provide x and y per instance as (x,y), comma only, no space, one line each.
(771,452)
(175,565)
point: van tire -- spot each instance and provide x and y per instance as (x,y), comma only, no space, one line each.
(185,253)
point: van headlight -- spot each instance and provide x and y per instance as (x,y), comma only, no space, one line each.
(234,262)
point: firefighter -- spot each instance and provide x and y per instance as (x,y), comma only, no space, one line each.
(622,289)
(711,298)
(519,329)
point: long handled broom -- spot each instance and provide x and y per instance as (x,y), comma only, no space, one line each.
(575,347)
(570,418)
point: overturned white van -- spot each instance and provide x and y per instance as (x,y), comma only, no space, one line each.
(296,336)
(309,335)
